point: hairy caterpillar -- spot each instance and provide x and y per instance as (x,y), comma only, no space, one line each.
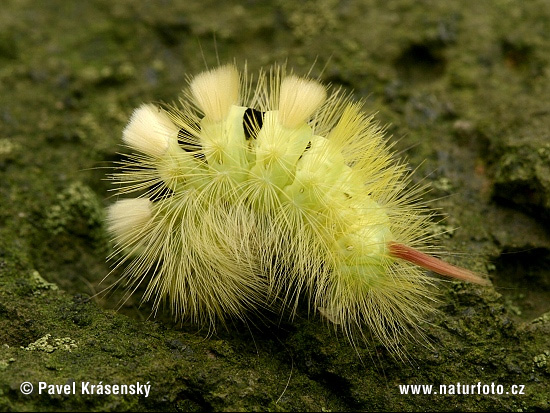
(254,198)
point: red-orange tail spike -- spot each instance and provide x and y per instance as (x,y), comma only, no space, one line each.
(433,264)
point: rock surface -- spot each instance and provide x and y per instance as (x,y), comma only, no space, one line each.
(464,88)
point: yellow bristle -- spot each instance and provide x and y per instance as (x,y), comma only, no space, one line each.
(299,99)
(216,91)
(126,218)
(149,131)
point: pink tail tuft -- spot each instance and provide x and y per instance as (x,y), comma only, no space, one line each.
(434,264)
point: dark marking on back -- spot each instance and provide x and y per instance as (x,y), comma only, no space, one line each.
(253,120)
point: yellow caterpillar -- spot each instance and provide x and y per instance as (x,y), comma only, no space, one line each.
(256,198)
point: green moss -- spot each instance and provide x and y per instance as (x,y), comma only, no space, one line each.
(522,174)
(76,211)
(49,344)
(308,19)
(40,283)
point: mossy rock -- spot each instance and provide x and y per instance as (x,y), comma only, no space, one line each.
(463,87)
